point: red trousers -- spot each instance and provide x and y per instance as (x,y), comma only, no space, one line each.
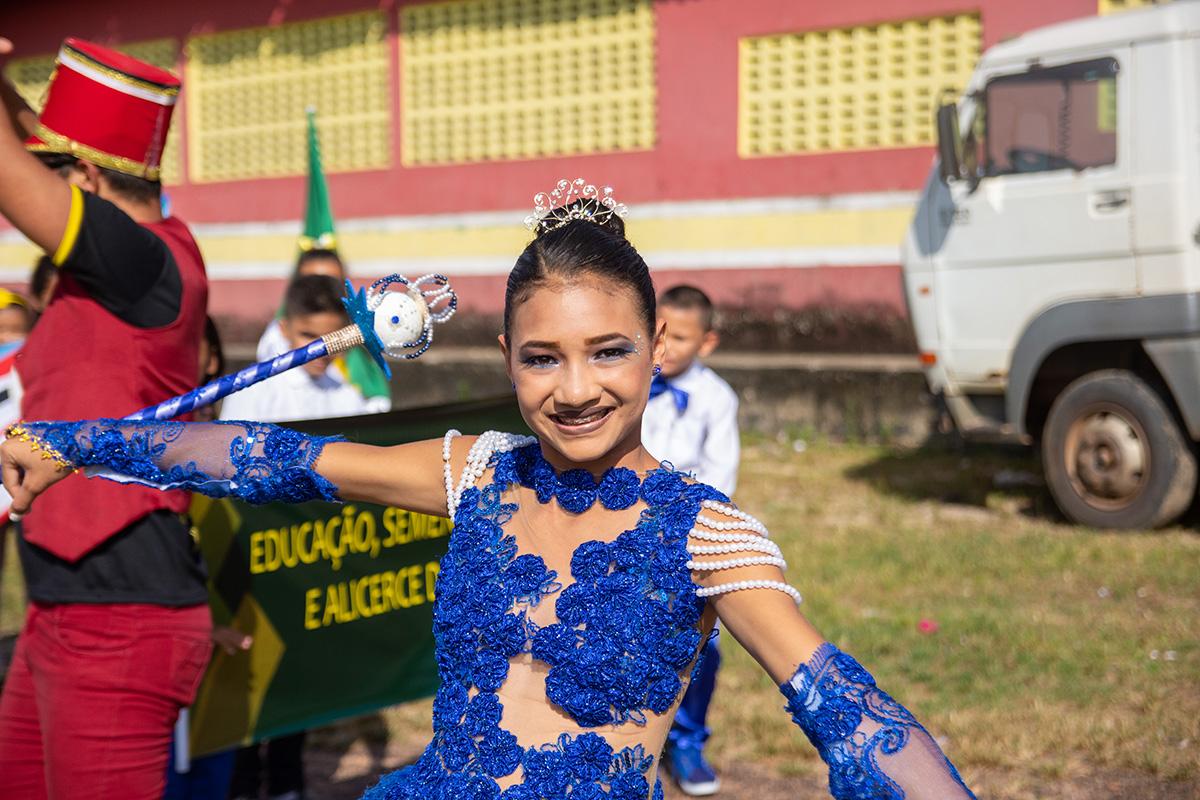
(91,698)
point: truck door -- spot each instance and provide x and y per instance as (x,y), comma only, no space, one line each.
(1045,214)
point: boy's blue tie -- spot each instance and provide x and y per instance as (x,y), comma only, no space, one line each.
(659,384)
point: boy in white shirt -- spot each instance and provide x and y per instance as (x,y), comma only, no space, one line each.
(691,422)
(312,308)
(356,365)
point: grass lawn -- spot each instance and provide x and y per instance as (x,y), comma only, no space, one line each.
(1058,651)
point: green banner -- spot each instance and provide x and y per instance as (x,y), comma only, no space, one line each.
(338,598)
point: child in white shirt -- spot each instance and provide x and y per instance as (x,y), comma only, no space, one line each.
(691,422)
(312,308)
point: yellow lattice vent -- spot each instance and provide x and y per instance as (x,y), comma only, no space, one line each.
(1113,6)
(851,88)
(32,75)
(248,90)
(504,79)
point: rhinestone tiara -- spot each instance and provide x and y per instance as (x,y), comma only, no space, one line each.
(553,209)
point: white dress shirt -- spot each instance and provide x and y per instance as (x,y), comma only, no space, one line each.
(296,395)
(274,342)
(703,440)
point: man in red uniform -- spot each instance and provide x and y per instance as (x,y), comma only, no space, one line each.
(117,634)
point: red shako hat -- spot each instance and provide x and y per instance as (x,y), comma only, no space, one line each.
(107,108)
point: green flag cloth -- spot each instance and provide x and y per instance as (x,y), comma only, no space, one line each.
(363,372)
(318,216)
(359,368)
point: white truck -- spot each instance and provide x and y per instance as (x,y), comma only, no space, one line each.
(1052,269)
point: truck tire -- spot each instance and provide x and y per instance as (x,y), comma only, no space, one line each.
(1114,455)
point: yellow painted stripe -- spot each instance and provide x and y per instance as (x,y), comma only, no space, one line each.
(19,253)
(830,228)
(74,222)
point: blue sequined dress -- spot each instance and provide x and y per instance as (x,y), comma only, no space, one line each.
(561,664)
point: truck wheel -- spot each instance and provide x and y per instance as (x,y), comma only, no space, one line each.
(1114,455)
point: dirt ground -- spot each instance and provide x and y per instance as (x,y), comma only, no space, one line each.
(334,776)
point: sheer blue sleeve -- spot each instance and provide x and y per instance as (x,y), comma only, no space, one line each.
(874,747)
(251,461)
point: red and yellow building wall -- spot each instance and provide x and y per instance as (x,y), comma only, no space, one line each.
(770,150)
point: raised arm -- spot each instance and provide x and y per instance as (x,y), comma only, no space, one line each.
(874,747)
(251,461)
(34,199)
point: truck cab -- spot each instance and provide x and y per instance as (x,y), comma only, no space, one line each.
(1052,269)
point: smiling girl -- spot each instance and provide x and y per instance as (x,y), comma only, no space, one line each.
(582,576)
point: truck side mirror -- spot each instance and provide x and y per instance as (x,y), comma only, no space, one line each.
(949,143)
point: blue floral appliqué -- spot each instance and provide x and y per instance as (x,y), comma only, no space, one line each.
(576,490)
(626,629)
(266,463)
(829,698)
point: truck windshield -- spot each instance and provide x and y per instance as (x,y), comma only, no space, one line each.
(1051,118)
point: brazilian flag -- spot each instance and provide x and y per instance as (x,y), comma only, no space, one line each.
(357,364)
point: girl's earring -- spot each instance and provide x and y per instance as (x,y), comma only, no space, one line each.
(657,370)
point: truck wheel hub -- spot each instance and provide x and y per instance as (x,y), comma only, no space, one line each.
(1107,458)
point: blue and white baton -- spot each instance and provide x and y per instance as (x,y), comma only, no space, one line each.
(393,319)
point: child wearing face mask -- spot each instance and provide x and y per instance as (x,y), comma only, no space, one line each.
(691,422)
(582,575)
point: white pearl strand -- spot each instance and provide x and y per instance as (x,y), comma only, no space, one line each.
(737,586)
(481,451)
(756,541)
(446,473)
(743,521)
(765,546)
(709,536)
(734,563)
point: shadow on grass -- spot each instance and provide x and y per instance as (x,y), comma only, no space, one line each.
(985,476)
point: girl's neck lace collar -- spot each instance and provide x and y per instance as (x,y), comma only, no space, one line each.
(577,490)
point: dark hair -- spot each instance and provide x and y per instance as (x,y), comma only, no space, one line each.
(313,294)
(129,186)
(579,248)
(213,339)
(142,190)
(21,305)
(62,163)
(43,272)
(318,254)
(689,298)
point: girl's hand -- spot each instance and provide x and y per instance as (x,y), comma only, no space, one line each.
(27,470)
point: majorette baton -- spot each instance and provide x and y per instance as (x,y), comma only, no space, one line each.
(392,323)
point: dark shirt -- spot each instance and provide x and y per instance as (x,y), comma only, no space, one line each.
(128,270)
(131,273)
(155,560)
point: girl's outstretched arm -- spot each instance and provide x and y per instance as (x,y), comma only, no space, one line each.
(874,747)
(251,461)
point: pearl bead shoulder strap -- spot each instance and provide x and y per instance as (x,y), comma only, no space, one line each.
(752,537)
(481,451)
